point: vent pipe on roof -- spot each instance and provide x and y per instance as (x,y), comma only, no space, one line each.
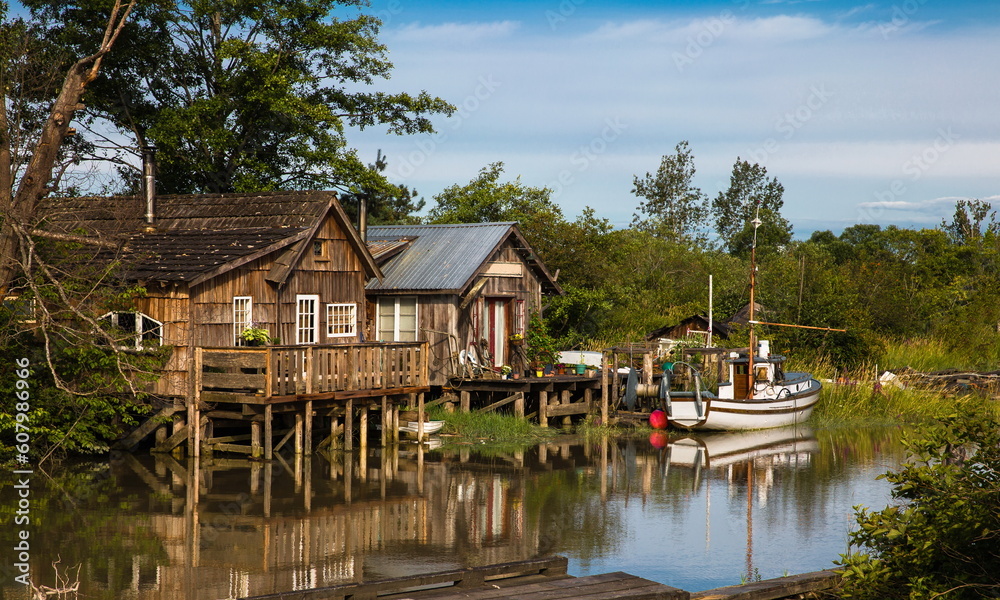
(363,216)
(149,184)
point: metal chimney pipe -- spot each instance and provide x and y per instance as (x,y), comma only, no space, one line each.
(149,183)
(363,216)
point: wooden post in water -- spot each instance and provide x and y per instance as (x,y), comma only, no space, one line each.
(420,417)
(349,425)
(543,408)
(363,428)
(268,433)
(567,398)
(194,415)
(605,390)
(386,421)
(307,446)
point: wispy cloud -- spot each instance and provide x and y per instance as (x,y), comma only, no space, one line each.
(932,205)
(455,32)
(725,25)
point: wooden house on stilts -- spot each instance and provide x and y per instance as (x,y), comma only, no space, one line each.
(215,265)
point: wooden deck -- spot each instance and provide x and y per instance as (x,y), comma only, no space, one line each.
(547,579)
(535,579)
(282,391)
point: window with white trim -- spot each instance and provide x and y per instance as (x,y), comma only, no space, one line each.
(397,318)
(306,318)
(242,317)
(341,320)
(134,330)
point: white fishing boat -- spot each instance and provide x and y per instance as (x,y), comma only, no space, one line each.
(758,393)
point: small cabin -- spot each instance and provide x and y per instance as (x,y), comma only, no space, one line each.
(465,288)
(214,265)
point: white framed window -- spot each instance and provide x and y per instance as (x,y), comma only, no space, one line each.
(306,318)
(242,317)
(397,318)
(341,320)
(136,330)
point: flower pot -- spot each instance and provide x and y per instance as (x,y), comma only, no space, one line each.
(539,372)
(580,369)
(515,375)
(560,369)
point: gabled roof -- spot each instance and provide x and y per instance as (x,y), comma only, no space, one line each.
(446,258)
(200,236)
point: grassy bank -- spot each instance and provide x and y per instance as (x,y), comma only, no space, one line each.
(495,428)
(854,397)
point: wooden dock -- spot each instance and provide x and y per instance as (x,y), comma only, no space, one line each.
(547,579)
(535,579)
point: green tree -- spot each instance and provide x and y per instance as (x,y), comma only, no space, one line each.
(734,209)
(486,199)
(246,96)
(973,220)
(674,207)
(941,539)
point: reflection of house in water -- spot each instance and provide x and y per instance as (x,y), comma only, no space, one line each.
(260,528)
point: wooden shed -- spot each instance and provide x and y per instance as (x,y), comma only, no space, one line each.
(462,287)
(213,265)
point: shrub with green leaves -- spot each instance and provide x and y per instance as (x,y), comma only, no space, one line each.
(942,538)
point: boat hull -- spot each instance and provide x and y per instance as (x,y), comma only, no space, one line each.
(720,414)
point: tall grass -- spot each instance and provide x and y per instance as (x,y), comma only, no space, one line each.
(925,355)
(852,397)
(491,426)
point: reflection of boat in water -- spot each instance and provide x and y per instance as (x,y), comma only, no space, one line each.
(709,450)
(753,457)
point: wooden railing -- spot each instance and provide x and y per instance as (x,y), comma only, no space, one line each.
(313,369)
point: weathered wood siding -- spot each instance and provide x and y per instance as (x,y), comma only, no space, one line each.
(203,315)
(170,304)
(442,313)
(336,277)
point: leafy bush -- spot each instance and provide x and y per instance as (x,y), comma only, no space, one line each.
(942,539)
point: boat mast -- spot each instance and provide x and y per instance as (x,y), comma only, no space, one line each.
(753,284)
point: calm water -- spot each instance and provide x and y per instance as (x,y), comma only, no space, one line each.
(695,512)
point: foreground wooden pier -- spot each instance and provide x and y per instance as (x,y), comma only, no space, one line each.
(547,579)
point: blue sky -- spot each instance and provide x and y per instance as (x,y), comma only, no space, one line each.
(881,112)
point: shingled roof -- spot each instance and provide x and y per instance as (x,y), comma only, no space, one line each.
(445,258)
(199,236)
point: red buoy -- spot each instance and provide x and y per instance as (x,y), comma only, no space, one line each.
(658,419)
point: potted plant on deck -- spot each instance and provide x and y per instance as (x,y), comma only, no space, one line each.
(541,347)
(255,336)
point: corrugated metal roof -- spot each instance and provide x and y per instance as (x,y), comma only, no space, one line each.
(440,257)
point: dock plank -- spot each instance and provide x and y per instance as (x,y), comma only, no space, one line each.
(607,586)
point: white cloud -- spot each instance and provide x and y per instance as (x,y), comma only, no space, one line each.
(724,26)
(451,33)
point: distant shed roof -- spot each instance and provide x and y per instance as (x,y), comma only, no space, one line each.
(444,258)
